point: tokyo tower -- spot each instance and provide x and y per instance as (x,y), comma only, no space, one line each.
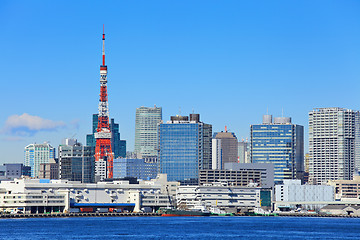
(103,153)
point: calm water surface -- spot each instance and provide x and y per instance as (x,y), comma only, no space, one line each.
(181,228)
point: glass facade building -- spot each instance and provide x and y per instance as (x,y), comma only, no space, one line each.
(184,148)
(76,162)
(118,146)
(280,143)
(137,168)
(146,134)
(35,154)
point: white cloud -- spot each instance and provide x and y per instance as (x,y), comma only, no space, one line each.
(26,124)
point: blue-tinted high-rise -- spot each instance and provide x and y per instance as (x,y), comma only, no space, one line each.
(135,168)
(184,148)
(280,143)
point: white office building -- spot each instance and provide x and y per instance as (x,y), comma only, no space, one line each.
(291,194)
(229,198)
(35,154)
(216,154)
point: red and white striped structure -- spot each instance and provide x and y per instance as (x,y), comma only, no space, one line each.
(103,153)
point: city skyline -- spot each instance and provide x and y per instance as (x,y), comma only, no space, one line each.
(229,62)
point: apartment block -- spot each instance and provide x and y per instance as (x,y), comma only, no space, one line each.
(333,144)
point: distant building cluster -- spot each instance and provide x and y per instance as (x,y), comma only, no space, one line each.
(181,162)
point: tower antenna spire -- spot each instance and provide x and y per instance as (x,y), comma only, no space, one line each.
(103,48)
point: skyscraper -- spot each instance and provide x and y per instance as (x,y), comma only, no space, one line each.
(216,154)
(333,143)
(35,154)
(146,134)
(118,146)
(185,147)
(229,147)
(243,152)
(76,162)
(280,143)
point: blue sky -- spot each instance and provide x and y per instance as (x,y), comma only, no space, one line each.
(230,61)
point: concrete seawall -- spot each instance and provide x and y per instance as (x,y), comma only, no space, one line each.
(316,215)
(44,215)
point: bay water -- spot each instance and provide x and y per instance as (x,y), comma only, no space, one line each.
(181,228)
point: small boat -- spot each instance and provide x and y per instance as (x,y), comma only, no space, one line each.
(260,212)
(197,211)
(215,211)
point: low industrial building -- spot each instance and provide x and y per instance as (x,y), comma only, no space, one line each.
(234,178)
(266,169)
(37,201)
(292,195)
(347,190)
(229,198)
(44,195)
(341,209)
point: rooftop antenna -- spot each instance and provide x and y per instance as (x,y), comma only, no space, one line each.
(179,111)
(282,112)
(267,110)
(103,48)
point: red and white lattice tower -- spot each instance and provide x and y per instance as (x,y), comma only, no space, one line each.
(103,154)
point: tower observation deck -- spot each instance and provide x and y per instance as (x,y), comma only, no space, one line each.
(103,153)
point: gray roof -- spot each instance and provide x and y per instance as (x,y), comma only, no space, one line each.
(339,207)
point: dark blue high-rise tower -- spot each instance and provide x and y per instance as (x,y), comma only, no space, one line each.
(118,146)
(280,143)
(184,148)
